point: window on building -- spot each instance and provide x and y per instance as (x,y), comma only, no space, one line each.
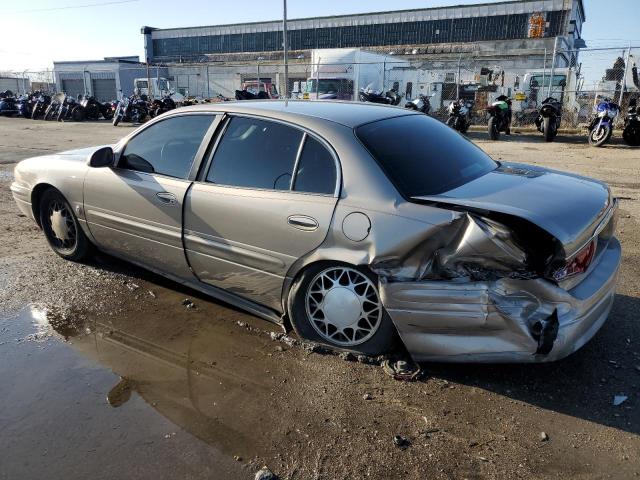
(409,90)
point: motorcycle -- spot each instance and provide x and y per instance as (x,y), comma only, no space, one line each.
(8,104)
(499,117)
(390,97)
(420,104)
(131,109)
(460,115)
(54,106)
(91,109)
(601,126)
(246,95)
(24,105)
(40,106)
(631,132)
(68,109)
(160,106)
(549,118)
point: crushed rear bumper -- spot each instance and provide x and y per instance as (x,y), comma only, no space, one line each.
(500,321)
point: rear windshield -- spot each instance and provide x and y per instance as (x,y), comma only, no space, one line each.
(422,156)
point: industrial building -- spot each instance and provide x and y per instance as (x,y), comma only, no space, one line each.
(105,79)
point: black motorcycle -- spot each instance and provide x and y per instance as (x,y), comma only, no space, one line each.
(247,95)
(160,106)
(549,118)
(131,109)
(460,115)
(420,104)
(68,109)
(40,106)
(499,117)
(631,132)
(391,97)
(91,109)
(53,109)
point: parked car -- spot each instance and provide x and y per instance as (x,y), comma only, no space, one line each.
(352,223)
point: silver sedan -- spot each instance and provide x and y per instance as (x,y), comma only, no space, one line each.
(359,225)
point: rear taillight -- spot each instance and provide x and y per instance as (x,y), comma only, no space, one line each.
(579,263)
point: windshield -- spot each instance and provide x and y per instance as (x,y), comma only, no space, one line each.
(330,85)
(422,156)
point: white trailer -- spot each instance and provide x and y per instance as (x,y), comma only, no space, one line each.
(342,72)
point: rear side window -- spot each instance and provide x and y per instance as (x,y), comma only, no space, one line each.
(422,156)
(167,147)
(256,153)
(316,171)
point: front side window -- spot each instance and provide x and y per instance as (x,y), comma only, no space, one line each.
(422,156)
(167,147)
(255,153)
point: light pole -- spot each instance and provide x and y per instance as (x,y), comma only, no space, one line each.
(258,72)
(285,47)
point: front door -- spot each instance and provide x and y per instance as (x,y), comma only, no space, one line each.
(134,209)
(266,200)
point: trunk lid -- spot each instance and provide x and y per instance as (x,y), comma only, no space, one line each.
(567,206)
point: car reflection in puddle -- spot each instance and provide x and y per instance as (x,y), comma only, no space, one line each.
(68,371)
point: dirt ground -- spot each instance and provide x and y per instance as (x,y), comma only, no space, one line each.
(105,374)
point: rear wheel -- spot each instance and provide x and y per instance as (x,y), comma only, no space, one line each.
(339,306)
(599,135)
(116,119)
(61,227)
(451,122)
(548,128)
(493,129)
(78,114)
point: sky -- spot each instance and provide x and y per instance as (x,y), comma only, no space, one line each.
(34,33)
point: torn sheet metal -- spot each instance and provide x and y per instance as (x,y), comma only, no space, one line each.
(506,320)
(469,246)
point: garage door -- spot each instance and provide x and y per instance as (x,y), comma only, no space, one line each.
(73,88)
(104,89)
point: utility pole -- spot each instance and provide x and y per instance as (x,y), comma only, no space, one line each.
(553,66)
(285,48)
(458,78)
(624,76)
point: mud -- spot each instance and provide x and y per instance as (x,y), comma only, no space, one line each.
(105,374)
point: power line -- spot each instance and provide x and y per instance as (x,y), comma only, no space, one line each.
(70,7)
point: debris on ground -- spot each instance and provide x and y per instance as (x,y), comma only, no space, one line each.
(402,370)
(349,357)
(151,293)
(188,303)
(265,474)
(279,348)
(237,458)
(367,396)
(400,441)
(120,393)
(132,286)
(544,437)
(619,400)
(275,336)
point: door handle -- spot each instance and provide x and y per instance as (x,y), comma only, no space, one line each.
(303,222)
(167,198)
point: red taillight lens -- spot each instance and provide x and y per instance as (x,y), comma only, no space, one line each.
(579,263)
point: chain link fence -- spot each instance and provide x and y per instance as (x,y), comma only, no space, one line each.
(578,79)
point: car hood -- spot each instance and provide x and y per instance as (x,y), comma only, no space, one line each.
(80,154)
(567,206)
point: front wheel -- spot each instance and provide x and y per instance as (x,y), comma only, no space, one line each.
(61,227)
(116,119)
(451,122)
(599,135)
(493,129)
(339,306)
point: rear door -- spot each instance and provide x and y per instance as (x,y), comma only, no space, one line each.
(135,209)
(265,199)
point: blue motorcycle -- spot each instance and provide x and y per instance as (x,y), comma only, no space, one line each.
(601,126)
(8,105)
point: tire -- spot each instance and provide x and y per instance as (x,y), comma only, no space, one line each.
(548,130)
(599,136)
(77,114)
(116,120)
(493,129)
(631,136)
(451,122)
(352,285)
(48,114)
(57,219)
(61,114)
(34,113)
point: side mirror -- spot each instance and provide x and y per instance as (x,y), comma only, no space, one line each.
(101,158)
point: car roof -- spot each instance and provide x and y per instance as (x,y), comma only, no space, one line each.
(349,114)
